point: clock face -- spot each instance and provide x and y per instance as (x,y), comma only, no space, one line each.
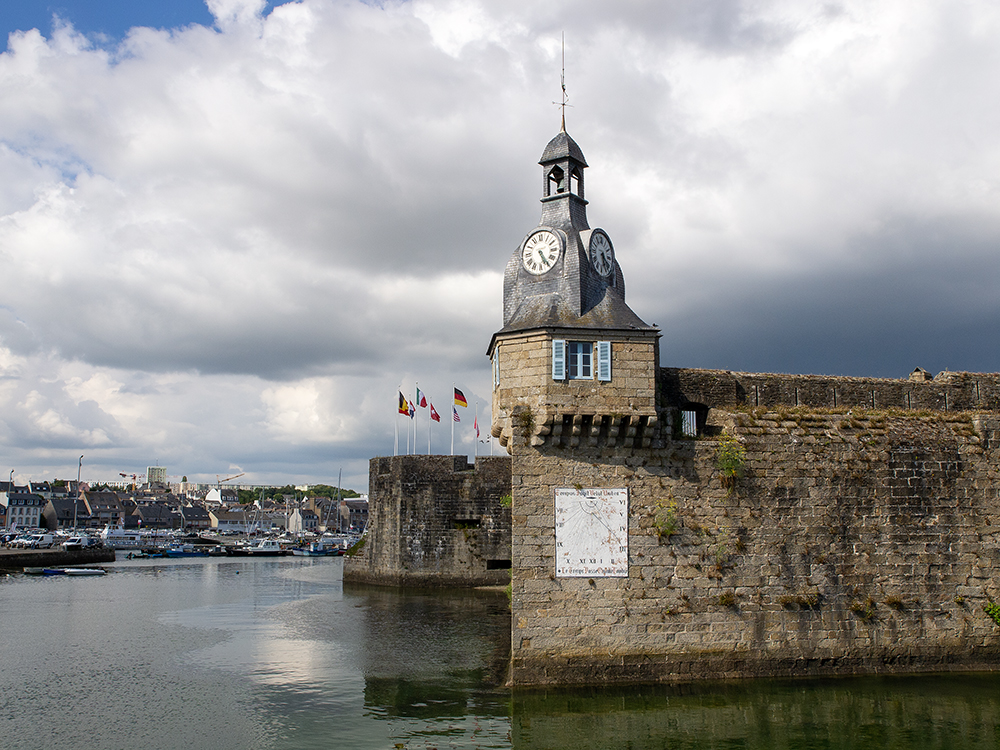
(540,252)
(602,255)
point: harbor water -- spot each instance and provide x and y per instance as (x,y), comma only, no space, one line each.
(278,653)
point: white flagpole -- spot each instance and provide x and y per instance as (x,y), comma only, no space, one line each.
(395,451)
(453,419)
(476,423)
(428,427)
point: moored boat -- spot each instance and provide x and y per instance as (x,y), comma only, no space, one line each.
(267,548)
(73,571)
(84,571)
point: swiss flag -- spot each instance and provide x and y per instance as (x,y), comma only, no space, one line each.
(434,415)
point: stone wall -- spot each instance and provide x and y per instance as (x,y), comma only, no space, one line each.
(856,541)
(435,521)
(948,391)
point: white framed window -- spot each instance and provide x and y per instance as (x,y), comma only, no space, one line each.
(580,360)
(575,360)
(496,368)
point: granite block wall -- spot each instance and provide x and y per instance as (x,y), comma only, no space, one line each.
(435,521)
(855,541)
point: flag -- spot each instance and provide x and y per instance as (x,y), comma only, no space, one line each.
(475,425)
(460,398)
(404,408)
(421,399)
(434,415)
(411,411)
(454,414)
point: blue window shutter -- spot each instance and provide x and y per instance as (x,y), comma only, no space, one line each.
(558,359)
(604,360)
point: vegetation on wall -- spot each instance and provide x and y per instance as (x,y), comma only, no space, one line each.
(524,420)
(665,518)
(730,460)
(993,610)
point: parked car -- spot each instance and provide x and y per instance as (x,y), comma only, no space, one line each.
(40,541)
(77,542)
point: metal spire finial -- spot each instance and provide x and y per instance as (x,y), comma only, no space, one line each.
(562,82)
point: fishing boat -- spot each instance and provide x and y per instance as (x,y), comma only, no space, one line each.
(185,550)
(319,548)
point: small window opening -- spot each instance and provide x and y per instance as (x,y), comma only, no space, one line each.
(557,180)
(498,564)
(576,182)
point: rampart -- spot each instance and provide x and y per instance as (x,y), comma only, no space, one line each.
(845,539)
(948,391)
(435,521)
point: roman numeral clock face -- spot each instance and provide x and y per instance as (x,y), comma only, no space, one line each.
(540,252)
(602,255)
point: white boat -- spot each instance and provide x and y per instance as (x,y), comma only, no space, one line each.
(84,571)
(119,538)
(267,548)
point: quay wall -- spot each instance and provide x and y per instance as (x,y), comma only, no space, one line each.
(435,521)
(48,558)
(852,541)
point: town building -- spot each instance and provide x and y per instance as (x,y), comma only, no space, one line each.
(24,509)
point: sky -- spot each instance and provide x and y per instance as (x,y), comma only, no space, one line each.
(231,230)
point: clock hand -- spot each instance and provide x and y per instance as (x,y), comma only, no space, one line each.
(542,256)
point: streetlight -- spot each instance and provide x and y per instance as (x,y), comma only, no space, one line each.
(76,498)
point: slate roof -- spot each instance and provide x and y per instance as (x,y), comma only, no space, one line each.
(560,147)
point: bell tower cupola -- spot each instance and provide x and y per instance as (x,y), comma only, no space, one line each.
(563,202)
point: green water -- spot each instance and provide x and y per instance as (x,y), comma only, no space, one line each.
(238,653)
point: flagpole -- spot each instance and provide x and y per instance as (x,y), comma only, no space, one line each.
(428,427)
(395,451)
(453,419)
(476,423)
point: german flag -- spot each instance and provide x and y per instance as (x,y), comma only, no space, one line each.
(460,398)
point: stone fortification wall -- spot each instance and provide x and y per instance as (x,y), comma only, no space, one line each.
(856,541)
(435,521)
(948,391)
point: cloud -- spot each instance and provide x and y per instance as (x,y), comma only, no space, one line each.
(228,246)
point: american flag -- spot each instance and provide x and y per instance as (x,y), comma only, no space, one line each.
(454,413)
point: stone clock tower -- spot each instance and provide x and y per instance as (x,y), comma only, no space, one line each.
(572,364)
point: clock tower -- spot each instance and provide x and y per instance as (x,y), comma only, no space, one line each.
(572,364)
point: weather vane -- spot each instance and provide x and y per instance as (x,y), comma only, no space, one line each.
(562,82)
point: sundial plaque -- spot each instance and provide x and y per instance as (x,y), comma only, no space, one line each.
(591,533)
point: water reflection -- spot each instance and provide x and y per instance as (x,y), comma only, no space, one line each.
(279,654)
(944,711)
